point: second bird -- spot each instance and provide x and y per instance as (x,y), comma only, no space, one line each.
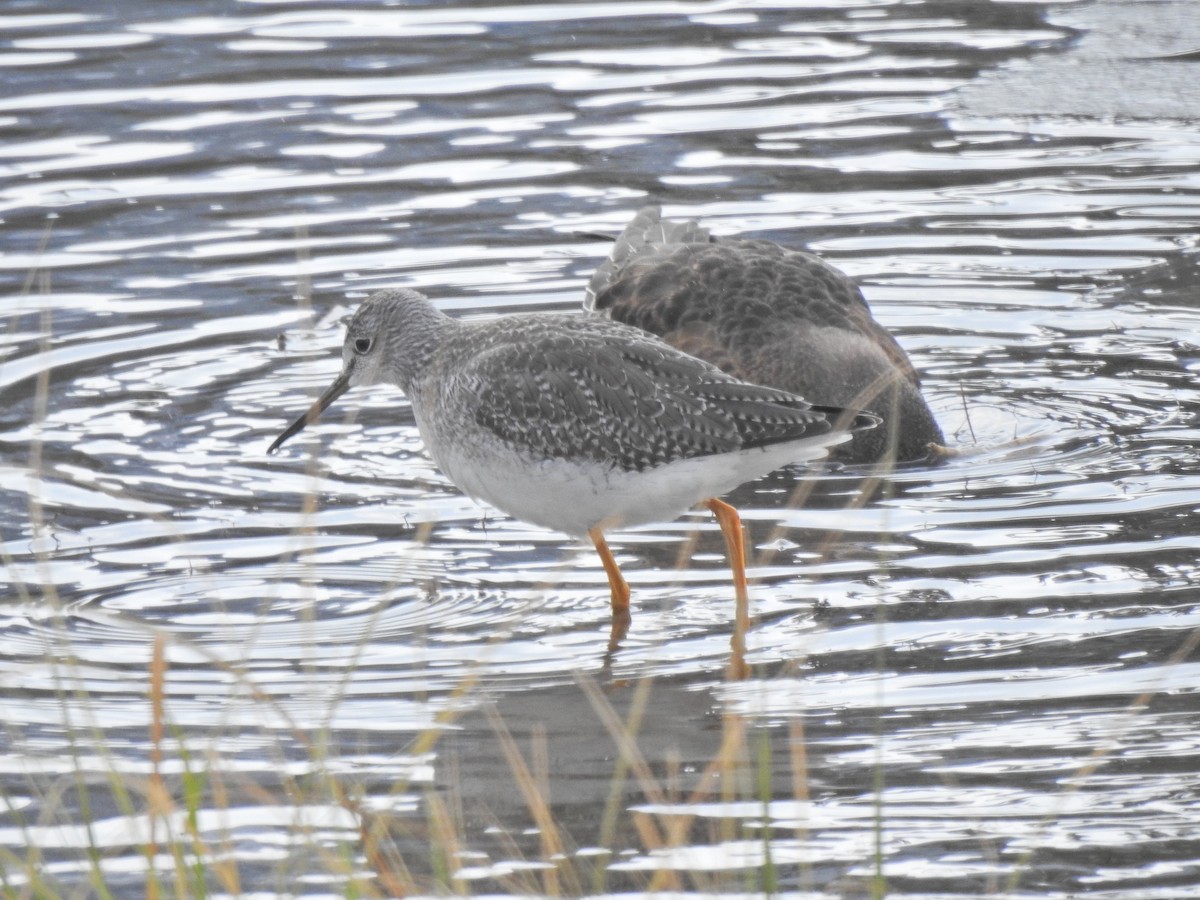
(769,315)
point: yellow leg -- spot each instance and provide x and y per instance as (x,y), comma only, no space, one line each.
(616,583)
(735,544)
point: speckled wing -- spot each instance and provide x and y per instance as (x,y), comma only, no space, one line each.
(599,391)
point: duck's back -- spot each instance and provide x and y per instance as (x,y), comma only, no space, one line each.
(770,315)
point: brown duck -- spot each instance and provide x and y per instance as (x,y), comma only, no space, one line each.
(769,315)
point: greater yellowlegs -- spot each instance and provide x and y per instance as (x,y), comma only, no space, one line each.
(768,315)
(578,423)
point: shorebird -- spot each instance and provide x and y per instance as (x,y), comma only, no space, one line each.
(768,315)
(580,424)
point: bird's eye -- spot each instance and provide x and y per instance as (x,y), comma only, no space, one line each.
(362,345)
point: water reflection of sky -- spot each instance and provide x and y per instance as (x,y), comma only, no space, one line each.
(191,205)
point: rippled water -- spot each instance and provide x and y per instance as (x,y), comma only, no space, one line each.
(972,678)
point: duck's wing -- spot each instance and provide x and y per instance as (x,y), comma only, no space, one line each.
(725,299)
(645,234)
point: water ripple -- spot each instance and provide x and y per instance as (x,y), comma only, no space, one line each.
(194,201)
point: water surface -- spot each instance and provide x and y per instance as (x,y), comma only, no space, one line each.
(973,678)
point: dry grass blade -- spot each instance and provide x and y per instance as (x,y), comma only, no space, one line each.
(719,773)
(158,799)
(386,865)
(553,847)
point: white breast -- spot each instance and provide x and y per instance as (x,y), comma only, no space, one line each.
(575,495)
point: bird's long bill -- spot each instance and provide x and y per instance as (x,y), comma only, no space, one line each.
(340,385)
